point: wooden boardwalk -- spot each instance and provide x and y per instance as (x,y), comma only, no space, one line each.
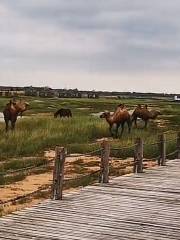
(142,206)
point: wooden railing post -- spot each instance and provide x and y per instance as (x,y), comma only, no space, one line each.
(178,145)
(162,149)
(58,173)
(104,166)
(138,156)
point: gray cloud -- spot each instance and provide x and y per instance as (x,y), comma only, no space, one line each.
(81,40)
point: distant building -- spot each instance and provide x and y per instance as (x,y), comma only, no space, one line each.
(39,92)
(69,93)
(176,98)
(93,95)
(11,91)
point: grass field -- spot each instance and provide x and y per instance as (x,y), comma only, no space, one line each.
(39,131)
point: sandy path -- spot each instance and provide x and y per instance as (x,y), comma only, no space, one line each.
(28,185)
(33,182)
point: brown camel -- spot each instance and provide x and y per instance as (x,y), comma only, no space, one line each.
(119,117)
(144,114)
(11,112)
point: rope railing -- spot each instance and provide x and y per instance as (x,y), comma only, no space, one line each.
(145,144)
(122,148)
(10,172)
(151,159)
(85,154)
(24,196)
(80,177)
(151,144)
(171,153)
(102,174)
(120,169)
(171,140)
(170,131)
(47,187)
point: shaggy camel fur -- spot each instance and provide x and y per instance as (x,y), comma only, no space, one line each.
(11,112)
(119,117)
(144,114)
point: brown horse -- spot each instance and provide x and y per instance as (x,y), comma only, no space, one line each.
(144,114)
(63,112)
(11,112)
(119,117)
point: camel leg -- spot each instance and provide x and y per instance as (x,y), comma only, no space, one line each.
(110,130)
(117,127)
(12,125)
(7,125)
(135,121)
(122,129)
(146,122)
(13,122)
(129,125)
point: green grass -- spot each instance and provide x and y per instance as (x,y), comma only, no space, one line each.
(4,180)
(14,164)
(40,131)
(33,136)
(81,181)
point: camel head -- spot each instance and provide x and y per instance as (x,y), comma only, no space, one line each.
(105,115)
(154,114)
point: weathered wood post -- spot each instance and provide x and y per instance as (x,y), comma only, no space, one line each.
(138,156)
(162,149)
(58,173)
(178,145)
(104,166)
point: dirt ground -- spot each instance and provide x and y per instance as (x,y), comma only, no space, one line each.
(75,166)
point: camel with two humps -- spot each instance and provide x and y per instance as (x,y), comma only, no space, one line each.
(144,114)
(12,110)
(119,117)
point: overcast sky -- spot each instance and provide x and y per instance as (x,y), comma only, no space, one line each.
(124,45)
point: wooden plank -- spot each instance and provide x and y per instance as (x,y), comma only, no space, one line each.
(135,207)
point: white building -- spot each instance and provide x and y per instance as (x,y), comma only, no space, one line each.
(176,98)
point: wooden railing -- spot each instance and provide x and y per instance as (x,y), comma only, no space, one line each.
(58,175)
(102,174)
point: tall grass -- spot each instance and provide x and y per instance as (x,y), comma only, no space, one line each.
(36,134)
(32,136)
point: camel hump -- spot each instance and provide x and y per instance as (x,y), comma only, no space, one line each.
(141,112)
(16,106)
(121,113)
(145,106)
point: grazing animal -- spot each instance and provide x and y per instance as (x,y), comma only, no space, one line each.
(119,117)
(63,112)
(11,112)
(144,114)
